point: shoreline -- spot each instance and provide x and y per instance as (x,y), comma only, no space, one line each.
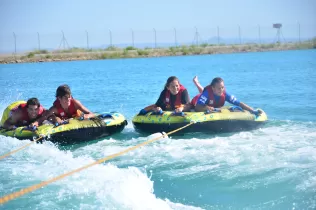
(75,54)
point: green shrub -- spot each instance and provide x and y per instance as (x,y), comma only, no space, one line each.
(40,51)
(130,48)
(204,45)
(115,55)
(30,55)
(173,50)
(185,51)
(142,52)
(104,56)
(125,52)
(111,48)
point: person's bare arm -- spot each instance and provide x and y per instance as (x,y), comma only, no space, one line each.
(45,115)
(87,113)
(150,107)
(11,122)
(183,108)
(203,108)
(186,108)
(246,107)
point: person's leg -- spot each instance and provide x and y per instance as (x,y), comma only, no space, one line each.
(197,84)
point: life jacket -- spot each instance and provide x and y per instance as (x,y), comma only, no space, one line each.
(212,101)
(72,111)
(177,102)
(194,100)
(25,119)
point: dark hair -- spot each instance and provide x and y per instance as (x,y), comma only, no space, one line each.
(63,90)
(171,79)
(216,80)
(33,101)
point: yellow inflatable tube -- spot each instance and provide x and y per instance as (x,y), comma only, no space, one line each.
(6,112)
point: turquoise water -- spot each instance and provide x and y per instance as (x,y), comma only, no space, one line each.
(270,168)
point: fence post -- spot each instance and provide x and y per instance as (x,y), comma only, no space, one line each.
(39,41)
(197,36)
(239,34)
(87,34)
(259,33)
(14,44)
(299,32)
(175,37)
(63,39)
(155,36)
(133,44)
(110,37)
(217,35)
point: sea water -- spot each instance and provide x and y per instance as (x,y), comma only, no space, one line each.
(273,167)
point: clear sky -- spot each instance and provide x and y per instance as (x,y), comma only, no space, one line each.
(48,18)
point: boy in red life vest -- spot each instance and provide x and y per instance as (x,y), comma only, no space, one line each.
(174,97)
(215,95)
(66,107)
(26,114)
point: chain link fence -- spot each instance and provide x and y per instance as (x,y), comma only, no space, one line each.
(154,38)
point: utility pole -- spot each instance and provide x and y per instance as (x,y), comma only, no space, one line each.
(299,32)
(110,37)
(239,33)
(155,36)
(175,37)
(196,36)
(259,33)
(39,41)
(63,41)
(218,35)
(87,34)
(14,44)
(132,37)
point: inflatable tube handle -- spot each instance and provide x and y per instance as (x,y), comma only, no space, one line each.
(142,112)
(178,114)
(29,128)
(63,123)
(233,108)
(102,116)
(215,110)
(160,112)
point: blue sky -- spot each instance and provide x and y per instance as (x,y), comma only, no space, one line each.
(48,18)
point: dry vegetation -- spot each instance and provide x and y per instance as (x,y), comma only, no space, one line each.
(131,52)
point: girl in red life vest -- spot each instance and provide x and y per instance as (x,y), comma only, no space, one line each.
(174,97)
(215,95)
(65,106)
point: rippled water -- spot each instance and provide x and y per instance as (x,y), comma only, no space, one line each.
(270,168)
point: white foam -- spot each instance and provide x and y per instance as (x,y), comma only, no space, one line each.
(104,185)
(282,150)
(273,154)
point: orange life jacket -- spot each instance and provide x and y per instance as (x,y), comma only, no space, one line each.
(72,111)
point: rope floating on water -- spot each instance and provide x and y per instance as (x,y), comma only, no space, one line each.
(24,191)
